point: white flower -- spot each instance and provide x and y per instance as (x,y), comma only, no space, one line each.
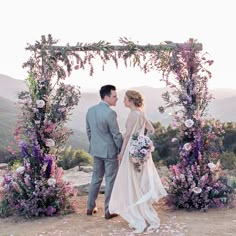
(173,140)
(189,123)
(37,122)
(20,170)
(51,181)
(197,190)
(182,176)
(49,142)
(141,138)
(152,148)
(187,146)
(132,150)
(40,103)
(211,165)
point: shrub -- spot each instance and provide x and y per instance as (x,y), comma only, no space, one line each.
(69,158)
(228,160)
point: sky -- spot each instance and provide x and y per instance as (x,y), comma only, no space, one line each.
(212,23)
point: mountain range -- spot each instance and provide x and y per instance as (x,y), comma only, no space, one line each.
(223,107)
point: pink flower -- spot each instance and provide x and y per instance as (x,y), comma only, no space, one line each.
(27,182)
(59,174)
(49,142)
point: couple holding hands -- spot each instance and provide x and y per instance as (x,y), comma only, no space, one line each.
(128,192)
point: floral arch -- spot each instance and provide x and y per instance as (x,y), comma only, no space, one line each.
(37,187)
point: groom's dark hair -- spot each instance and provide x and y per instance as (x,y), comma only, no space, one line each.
(106,90)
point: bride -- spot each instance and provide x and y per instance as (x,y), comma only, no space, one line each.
(134,190)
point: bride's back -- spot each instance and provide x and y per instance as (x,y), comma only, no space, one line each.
(139,120)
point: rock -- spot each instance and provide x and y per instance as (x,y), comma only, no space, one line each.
(163,171)
(72,170)
(86,169)
(3,166)
(80,180)
(83,189)
(230,172)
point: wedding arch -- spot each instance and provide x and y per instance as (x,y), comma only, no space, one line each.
(37,187)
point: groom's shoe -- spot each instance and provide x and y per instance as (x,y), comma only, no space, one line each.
(90,212)
(108,216)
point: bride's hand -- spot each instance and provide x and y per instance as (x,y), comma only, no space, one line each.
(119,158)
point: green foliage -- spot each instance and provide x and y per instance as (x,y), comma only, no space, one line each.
(5,208)
(229,141)
(228,160)
(166,146)
(69,158)
(165,150)
(15,163)
(8,118)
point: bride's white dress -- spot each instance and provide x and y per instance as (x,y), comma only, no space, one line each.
(134,192)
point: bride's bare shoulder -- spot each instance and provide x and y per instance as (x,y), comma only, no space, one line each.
(134,115)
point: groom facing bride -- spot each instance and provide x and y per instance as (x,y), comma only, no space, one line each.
(129,191)
(105,143)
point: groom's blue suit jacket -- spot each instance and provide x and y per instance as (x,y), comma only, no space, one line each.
(103,131)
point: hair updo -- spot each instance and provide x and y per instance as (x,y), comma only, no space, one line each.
(135,97)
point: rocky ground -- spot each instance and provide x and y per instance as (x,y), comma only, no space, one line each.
(214,222)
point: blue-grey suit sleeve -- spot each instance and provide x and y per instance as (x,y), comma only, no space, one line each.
(114,129)
(88,130)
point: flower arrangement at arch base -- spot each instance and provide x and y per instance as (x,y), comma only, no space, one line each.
(197,181)
(33,191)
(36,188)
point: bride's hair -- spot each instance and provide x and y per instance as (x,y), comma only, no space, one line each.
(135,97)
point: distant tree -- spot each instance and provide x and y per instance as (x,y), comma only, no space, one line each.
(229,141)
(166,148)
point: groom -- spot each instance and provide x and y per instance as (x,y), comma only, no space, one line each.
(105,142)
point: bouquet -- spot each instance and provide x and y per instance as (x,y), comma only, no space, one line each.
(140,148)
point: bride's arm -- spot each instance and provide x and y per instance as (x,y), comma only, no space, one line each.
(130,123)
(149,127)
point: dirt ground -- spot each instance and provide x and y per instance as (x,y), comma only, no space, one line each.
(217,222)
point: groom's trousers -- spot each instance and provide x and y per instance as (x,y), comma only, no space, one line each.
(107,167)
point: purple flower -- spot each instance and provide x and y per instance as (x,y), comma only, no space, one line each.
(24,148)
(51,210)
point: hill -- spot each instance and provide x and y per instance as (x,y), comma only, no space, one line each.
(223,107)
(9,87)
(8,117)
